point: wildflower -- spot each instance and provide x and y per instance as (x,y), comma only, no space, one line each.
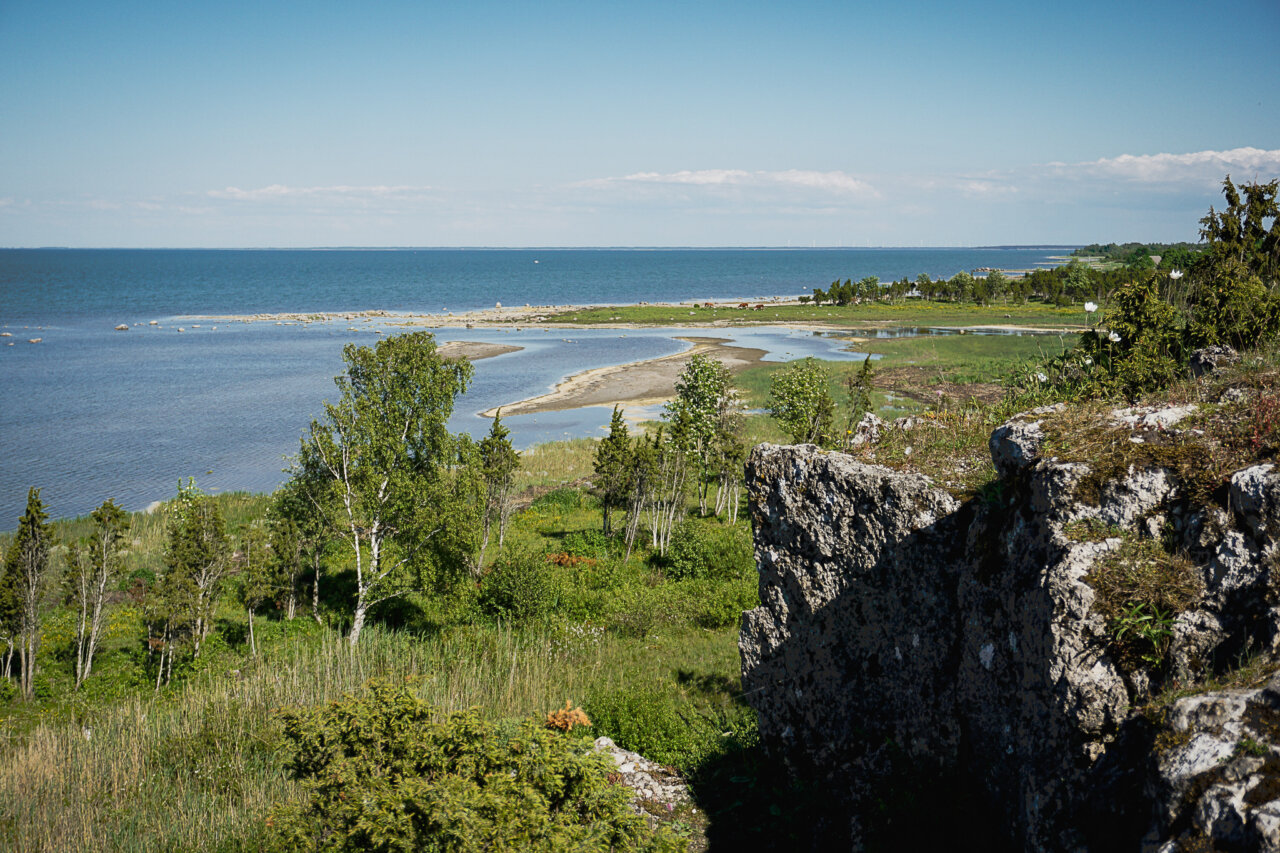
(1041,377)
(1175,274)
(1114,337)
(1090,307)
(1087,361)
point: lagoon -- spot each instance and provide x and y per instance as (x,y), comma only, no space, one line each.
(91,413)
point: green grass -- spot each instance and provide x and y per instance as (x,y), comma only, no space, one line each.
(198,766)
(966,358)
(910,312)
(555,462)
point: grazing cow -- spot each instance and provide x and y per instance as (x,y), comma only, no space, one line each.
(708,305)
(743,305)
(757,308)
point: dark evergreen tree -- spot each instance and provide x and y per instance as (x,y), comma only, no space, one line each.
(24,586)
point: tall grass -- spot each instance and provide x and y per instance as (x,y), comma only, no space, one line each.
(556,462)
(200,768)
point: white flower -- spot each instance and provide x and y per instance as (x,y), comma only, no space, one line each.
(1087,361)
(1090,307)
(1175,274)
(1114,337)
(1041,377)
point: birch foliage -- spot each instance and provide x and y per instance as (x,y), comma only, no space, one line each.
(393,483)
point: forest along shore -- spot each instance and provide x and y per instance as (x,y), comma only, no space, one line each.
(638,383)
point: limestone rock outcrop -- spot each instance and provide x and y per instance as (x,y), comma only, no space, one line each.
(906,638)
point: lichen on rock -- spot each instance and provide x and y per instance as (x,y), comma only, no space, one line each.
(903,635)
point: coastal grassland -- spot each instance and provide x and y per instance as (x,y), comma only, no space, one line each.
(909,312)
(200,766)
(554,463)
(648,650)
(918,372)
(646,646)
(962,359)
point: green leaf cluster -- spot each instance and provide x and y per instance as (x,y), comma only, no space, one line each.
(385,771)
(800,401)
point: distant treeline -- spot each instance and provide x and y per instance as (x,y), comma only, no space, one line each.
(1073,283)
(1140,255)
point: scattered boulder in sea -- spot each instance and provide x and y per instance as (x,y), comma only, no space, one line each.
(123,327)
(154,323)
(34,340)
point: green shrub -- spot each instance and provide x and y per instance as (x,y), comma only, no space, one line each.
(1235,308)
(382,771)
(653,722)
(720,604)
(521,586)
(703,550)
(563,500)
(591,543)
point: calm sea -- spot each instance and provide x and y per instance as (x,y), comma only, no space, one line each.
(91,413)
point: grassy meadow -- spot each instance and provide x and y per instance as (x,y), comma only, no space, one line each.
(908,312)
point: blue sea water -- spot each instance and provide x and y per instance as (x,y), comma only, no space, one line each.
(91,413)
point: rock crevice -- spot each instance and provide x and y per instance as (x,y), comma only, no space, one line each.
(904,636)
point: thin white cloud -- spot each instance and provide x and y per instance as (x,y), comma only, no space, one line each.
(1196,167)
(837,182)
(282,192)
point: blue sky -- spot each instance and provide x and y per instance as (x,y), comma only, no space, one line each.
(609,123)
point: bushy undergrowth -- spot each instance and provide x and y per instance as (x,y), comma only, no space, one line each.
(385,771)
(558,614)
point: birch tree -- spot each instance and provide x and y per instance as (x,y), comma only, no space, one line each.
(710,414)
(94,568)
(300,538)
(498,464)
(800,401)
(259,583)
(393,484)
(197,556)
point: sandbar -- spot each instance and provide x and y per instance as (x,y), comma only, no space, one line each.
(473,350)
(638,383)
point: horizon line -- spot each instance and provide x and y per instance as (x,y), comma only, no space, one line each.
(548,248)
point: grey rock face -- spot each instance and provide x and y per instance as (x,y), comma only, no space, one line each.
(903,633)
(1015,445)
(1220,777)
(868,430)
(1255,497)
(1210,359)
(655,786)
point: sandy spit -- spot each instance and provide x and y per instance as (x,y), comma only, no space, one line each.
(639,383)
(473,350)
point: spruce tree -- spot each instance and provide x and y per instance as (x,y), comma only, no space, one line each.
(24,585)
(613,468)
